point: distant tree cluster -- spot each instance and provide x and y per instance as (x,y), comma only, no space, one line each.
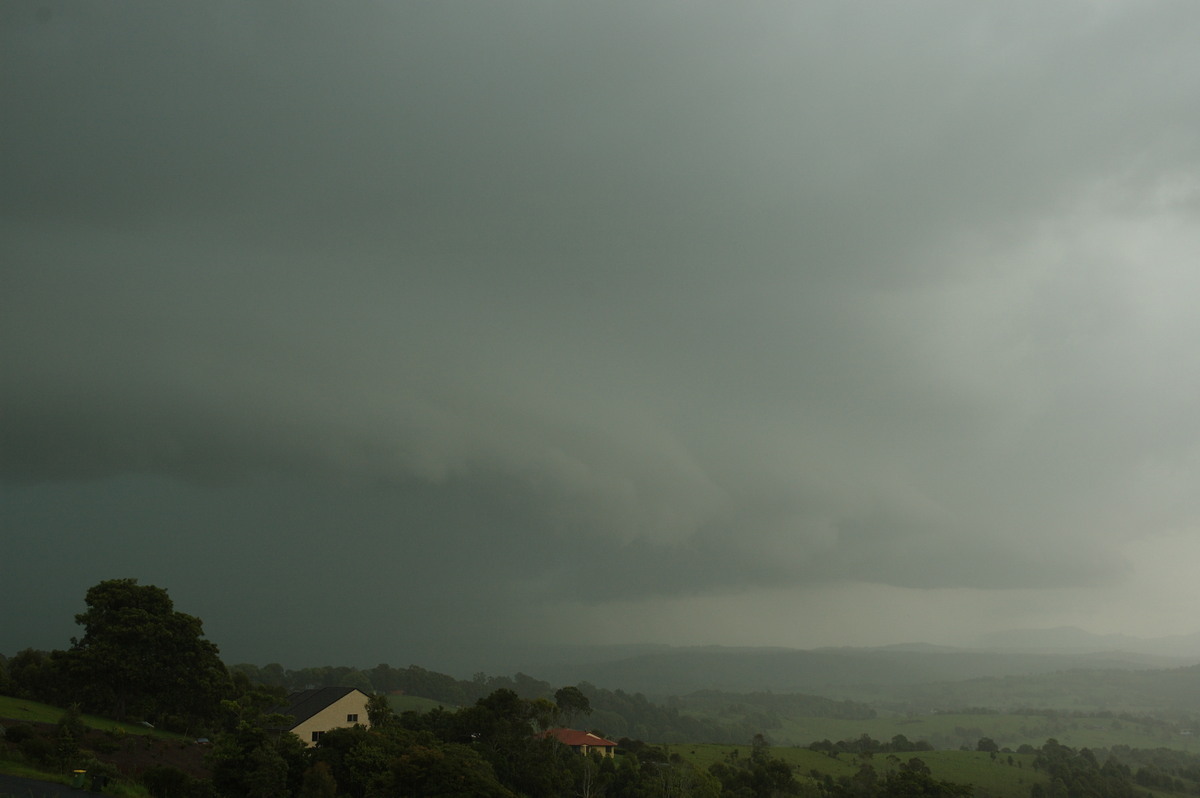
(1160,768)
(1079,773)
(759,774)
(865,744)
(911,779)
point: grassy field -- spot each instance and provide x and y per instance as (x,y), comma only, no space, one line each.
(404,703)
(990,778)
(33,712)
(22,711)
(953,731)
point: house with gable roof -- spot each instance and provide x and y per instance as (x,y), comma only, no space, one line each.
(316,711)
(582,741)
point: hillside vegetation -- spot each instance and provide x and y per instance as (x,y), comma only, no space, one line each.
(1043,735)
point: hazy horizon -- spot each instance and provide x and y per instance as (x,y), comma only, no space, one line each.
(412,332)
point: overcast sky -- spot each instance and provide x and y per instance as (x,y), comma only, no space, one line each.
(406,331)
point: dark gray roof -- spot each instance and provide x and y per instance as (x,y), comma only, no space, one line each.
(304,704)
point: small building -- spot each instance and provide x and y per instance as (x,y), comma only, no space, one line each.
(316,711)
(582,741)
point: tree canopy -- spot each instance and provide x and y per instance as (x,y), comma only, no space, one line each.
(139,657)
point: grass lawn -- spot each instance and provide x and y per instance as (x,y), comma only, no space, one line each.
(22,711)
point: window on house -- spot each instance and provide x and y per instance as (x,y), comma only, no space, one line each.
(352,718)
(316,736)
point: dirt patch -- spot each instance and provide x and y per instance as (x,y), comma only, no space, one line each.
(132,754)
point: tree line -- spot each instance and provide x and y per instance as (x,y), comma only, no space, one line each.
(617,712)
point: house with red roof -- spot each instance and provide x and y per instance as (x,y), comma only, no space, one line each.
(582,741)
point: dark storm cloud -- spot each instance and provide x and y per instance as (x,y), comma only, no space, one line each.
(635,300)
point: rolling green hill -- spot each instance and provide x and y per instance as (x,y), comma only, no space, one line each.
(23,711)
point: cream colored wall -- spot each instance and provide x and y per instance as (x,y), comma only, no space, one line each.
(605,750)
(334,717)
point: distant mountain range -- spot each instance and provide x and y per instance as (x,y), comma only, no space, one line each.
(664,671)
(1071,639)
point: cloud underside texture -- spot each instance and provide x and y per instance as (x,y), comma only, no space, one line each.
(618,300)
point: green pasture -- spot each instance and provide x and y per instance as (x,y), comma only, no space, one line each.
(22,711)
(991,778)
(15,710)
(406,703)
(953,731)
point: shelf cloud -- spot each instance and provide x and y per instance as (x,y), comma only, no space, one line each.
(371,332)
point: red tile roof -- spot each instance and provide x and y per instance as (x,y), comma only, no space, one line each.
(573,737)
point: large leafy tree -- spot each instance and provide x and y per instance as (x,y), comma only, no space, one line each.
(139,657)
(380,712)
(254,762)
(571,704)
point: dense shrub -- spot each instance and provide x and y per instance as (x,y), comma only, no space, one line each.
(163,781)
(38,751)
(19,733)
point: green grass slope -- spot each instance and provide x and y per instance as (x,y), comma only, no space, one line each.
(991,778)
(23,711)
(411,703)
